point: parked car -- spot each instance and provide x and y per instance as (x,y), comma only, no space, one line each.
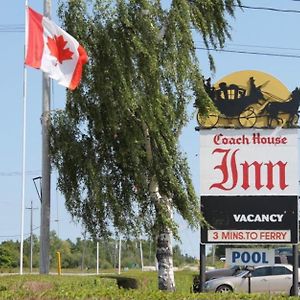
(216,273)
(271,279)
(233,270)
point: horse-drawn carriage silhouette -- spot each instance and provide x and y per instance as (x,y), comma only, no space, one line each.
(248,104)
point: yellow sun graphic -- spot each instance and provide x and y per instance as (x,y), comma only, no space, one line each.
(241,99)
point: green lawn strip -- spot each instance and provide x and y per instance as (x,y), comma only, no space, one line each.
(97,287)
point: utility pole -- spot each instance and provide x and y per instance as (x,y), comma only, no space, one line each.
(150,250)
(97,259)
(120,251)
(57,215)
(83,251)
(141,254)
(45,208)
(213,250)
(31,233)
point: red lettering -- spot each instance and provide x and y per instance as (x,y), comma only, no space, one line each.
(238,235)
(257,168)
(263,172)
(282,169)
(226,235)
(271,140)
(217,138)
(223,167)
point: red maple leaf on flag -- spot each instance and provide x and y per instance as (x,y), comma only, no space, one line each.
(57,49)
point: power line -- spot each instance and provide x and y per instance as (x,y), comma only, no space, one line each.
(254,46)
(12,25)
(250,52)
(12,28)
(21,27)
(15,173)
(262,46)
(11,31)
(18,235)
(270,9)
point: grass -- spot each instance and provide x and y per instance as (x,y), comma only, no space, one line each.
(101,288)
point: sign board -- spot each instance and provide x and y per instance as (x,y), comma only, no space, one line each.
(250,256)
(249,162)
(250,219)
(249,185)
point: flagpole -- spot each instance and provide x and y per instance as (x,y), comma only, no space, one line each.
(46,171)
(23,144)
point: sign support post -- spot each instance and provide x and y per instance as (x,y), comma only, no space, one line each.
(295,271)
(202,266)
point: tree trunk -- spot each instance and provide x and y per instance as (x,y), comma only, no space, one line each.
(164,252)
(164,255)
(164,249)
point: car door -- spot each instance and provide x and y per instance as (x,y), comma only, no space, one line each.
(260,282)
(276,279)
(281,279)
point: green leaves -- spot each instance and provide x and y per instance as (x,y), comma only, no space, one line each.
(142,73)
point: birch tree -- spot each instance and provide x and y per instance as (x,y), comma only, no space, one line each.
(116,143)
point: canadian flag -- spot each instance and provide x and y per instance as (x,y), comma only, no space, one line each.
(53,50)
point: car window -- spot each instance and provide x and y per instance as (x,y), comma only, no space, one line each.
(280,271)
(264,271)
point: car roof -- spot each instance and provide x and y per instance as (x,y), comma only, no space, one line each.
(261,266)
(290,267)
(274,265)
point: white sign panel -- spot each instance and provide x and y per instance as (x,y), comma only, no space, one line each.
(249,162)
(250,257)
(253,236)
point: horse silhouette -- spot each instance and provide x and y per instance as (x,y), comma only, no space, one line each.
(290,107)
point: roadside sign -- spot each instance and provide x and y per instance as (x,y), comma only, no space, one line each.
(249,166)
(249,185)
(250,256)
(249,162)
(250,219)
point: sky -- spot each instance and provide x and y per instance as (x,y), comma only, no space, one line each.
(270,34)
